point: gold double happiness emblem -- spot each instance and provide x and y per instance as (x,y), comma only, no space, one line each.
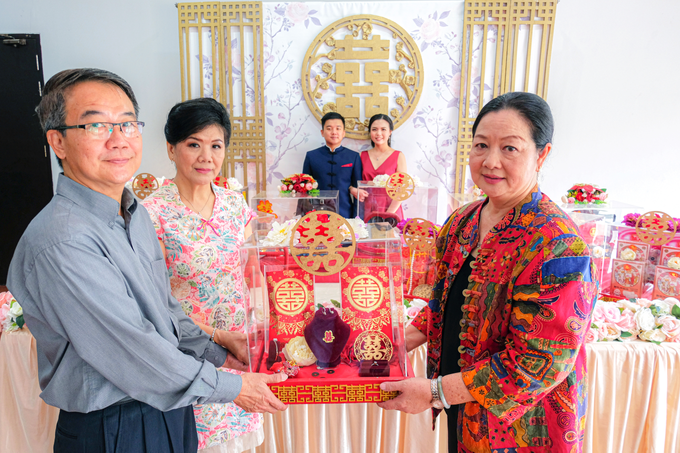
(360,66)
(373,345)
(144,185)
(420,235)
(365,292)
(652,228)
(290,296)
(400,186)
(321,251)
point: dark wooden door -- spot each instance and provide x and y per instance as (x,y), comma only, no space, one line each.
(25,169)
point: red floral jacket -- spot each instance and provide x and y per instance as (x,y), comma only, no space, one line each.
(526,311)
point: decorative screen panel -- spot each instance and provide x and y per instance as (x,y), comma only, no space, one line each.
(221,56)
(506,47)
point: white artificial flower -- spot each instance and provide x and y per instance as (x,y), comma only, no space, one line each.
(663,307)
(297,349)
(598,252)
(674,262)
(628,255)
(645,319)
(280,233)
(653,335)
(234,184)
(625,303)
(358,226)
(15,309)
(381,180)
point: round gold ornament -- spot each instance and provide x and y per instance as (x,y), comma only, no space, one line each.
(400,186)
(360,66)
(320,250)
(144,185)
(652,228)
(373,345)
(420,235)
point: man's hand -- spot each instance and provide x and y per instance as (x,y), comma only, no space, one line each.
(255,394)
(414,395)
(234,342)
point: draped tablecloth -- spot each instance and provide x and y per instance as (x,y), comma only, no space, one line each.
(26,423)
(633,407)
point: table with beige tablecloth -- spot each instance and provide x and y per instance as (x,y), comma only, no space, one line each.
(634,389)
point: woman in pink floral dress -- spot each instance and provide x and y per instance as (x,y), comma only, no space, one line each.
(200,227)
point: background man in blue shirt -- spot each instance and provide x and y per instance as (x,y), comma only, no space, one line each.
(116,353)
(335,167)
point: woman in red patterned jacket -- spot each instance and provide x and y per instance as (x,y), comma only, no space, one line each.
(511,303)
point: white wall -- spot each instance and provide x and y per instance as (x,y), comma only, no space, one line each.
(613,88)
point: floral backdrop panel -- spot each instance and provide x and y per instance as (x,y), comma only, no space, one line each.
(427,136)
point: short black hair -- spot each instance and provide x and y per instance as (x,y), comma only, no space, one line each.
(332,116)
(531,107)
(52,108)
(380,116)
(194,115)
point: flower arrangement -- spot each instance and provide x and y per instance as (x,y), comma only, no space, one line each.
(11,313)
(412,307)
(625,320)
(381,180)
(632,218)
(585,194)
(299,183)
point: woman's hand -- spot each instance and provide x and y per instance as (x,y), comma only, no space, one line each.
(234,342)
(255,395)
(414,395)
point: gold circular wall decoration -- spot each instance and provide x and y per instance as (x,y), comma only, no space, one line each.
(420,235)
(365,292)
(652,228)
(400,186)
(320,250)
(363,55)
(144,185)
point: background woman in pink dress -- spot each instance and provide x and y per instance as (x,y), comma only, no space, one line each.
(382,159)
(201,227)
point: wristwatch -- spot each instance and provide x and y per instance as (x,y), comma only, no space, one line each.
(436,401)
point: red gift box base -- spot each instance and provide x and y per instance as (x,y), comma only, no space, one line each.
(337,385)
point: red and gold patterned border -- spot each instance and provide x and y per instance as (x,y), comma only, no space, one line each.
(339,393)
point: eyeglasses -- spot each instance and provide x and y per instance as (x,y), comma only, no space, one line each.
(131,129)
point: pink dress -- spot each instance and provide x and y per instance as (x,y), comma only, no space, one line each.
(205,277)
(378,202)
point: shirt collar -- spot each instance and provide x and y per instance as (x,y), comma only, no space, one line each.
(97,203)
(337,150)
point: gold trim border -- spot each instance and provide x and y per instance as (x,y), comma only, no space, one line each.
(334,393)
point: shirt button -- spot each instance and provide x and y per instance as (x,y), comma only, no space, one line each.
(111,224)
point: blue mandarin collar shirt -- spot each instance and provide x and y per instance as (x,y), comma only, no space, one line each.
(335,170)
(96,296)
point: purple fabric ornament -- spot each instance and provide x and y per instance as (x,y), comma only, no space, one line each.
(326,336)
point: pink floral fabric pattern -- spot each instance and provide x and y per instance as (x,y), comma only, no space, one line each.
(205,277)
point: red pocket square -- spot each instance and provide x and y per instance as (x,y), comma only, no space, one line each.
(347,165)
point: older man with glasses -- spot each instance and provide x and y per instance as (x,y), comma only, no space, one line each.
(116,353)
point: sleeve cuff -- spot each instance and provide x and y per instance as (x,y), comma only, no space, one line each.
(227,389)
(215,354)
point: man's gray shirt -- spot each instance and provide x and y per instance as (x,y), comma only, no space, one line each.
(96,296)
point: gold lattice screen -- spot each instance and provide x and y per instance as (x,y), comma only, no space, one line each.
(506,47)
(221,56)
